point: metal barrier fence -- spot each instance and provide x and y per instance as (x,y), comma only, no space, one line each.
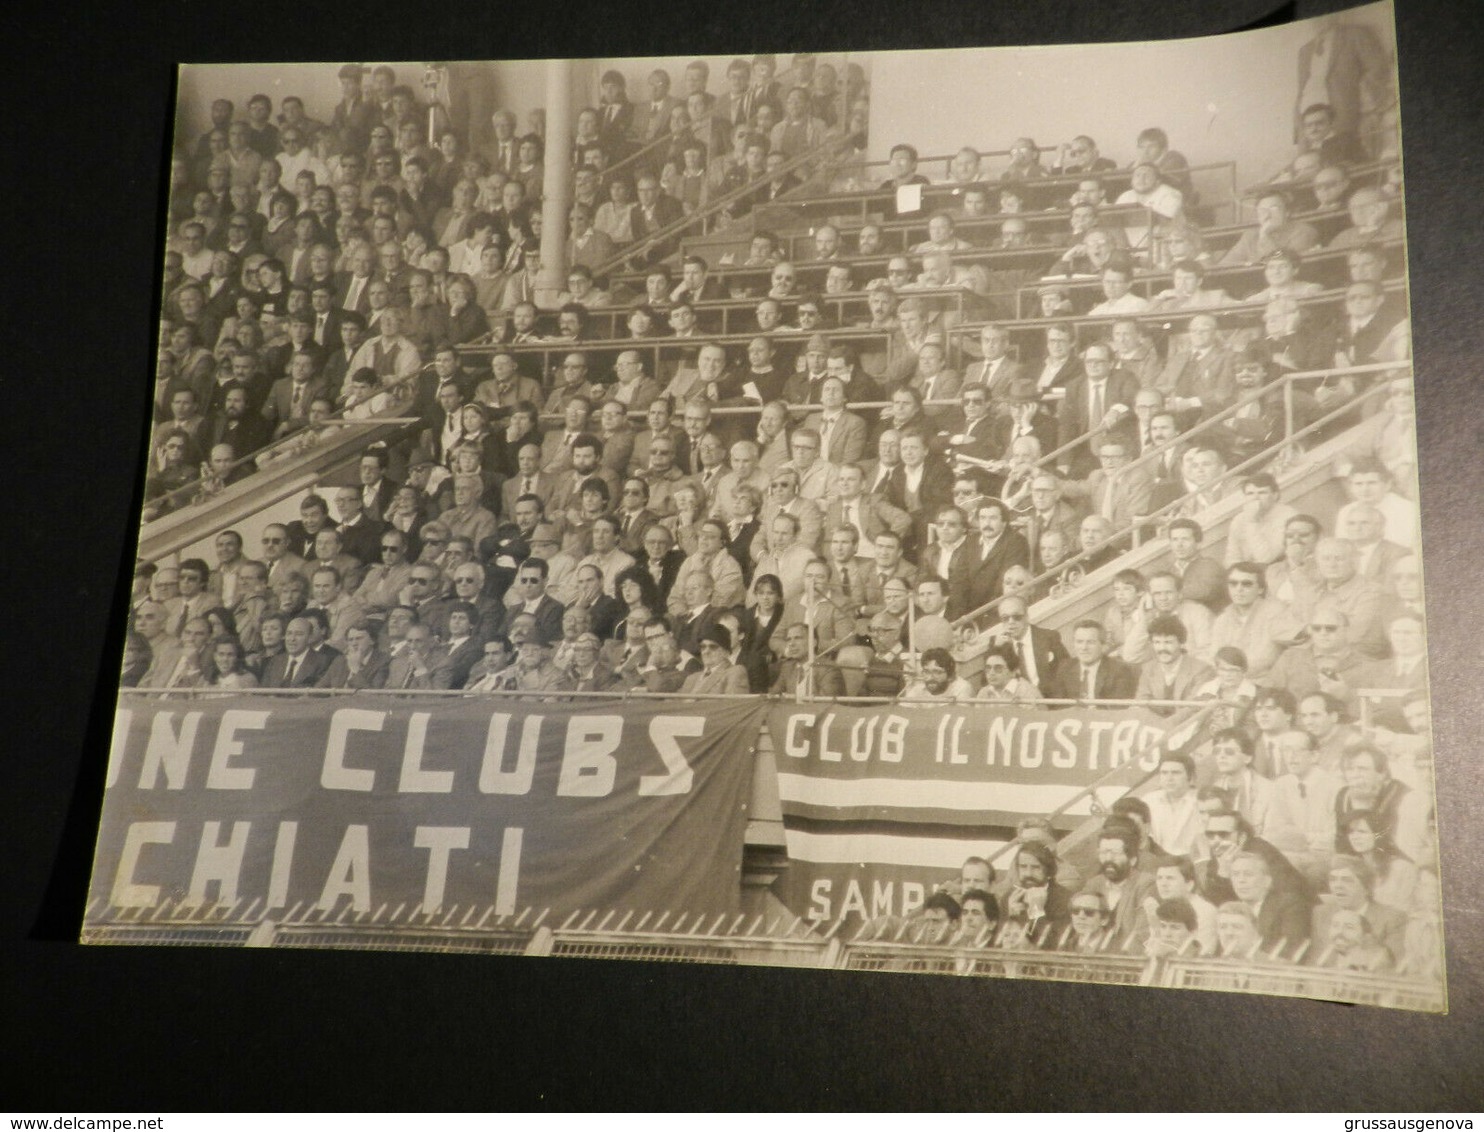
(723,939)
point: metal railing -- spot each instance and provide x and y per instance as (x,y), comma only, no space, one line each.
(715,206)
(1168,511)
(896,945)
(1037,190)
(184,496)
(636,161)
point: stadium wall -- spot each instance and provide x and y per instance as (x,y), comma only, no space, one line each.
(1219,99)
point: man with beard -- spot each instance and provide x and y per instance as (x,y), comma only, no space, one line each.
(1036,896)
(245,432)
(1122,886)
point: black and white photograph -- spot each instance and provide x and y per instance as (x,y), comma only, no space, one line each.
(759,509)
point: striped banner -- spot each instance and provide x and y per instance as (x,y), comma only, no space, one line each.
(883,805)
(969,764)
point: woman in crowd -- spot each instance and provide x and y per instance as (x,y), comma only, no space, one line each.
(227,665)
(759,622)
(642,321)
(636,589)
(278,232)
(270,633)
(1396,875)
(529,169)
(466,319)
(173,464)
(1003,680)
(615,216)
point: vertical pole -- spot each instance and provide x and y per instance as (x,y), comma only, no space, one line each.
(557,187)
(808,685)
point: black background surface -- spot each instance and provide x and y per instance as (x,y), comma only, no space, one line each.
(85,145)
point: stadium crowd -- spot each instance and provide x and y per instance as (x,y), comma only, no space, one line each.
(799,513)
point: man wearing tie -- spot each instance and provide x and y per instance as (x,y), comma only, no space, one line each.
(1252,794)
(842,434)
(1172,673)
(327,318)
(1040,651)
(355,287)
(1115,491)
(998,369)
(869,515)
(503,152)
(1093,675)
(1101,397)
(298,666)
(390,354)
(848,571)
(634,515)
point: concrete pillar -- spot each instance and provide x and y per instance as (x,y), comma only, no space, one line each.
(558,181)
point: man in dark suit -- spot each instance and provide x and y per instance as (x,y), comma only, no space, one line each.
(314,516)
(603,611)
(246,432)
(298,666)
(633,515)
(352,334)
(422,664)
(1091,674)
(362,665)
(953,556)
(1367,332)
(1040,651)
(996,548)
(922,485)
(615,116)
(1101,396)
(530,585)
(1059,366)
(661,559)
(741,531)
(1229,835)
(465,643)
(360,535)
(695,285)
(1282,915)
(699,617)
(377,488)
(654,210)
(325,317)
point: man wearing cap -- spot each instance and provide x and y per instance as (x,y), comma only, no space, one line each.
(803,388)
(719,676)
(529,536)
(533,670)
(1022,417)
